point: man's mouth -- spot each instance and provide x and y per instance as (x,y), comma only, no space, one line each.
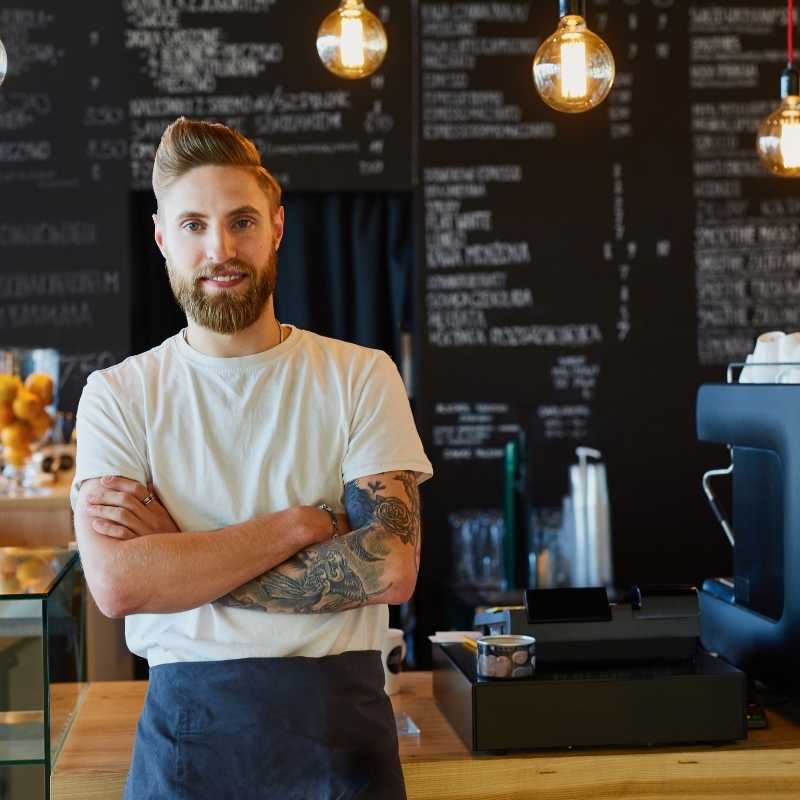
(225,279)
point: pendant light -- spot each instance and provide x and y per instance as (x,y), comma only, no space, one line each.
(573,69)
(778,140)
(3,62)
(351,41)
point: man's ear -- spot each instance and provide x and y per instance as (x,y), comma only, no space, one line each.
(277,224)
(158,233)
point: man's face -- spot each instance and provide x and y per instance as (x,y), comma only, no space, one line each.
(219,239)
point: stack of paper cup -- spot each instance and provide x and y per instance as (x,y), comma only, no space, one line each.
(768,352)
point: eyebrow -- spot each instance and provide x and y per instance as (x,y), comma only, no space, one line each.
(235,213)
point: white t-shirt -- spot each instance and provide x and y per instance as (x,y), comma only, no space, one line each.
(228,439)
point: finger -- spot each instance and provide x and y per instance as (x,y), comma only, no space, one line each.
(106,528)
(128,485)
(113,498)
(151,489)
(120,516)
(123,500)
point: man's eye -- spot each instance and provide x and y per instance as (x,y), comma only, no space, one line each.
(191,226)
(244,223)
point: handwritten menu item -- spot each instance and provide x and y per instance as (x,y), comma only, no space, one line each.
(63,155)
(466,431)
(253,64)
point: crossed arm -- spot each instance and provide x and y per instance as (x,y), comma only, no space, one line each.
(280,562)
(351,570)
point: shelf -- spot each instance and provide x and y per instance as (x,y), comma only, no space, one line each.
(21,737)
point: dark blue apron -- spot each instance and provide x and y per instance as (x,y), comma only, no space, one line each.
(282,728)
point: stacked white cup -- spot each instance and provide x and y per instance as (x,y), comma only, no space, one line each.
(772,349)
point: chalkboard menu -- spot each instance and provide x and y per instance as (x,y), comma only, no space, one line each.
(253,64)
(63,194)
(582,274)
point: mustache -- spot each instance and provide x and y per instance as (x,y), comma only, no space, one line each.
(210,270)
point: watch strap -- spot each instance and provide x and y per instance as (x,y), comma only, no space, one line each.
(332,514)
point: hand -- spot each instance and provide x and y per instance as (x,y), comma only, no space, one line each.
(117,510)
(317,524)
(344,524)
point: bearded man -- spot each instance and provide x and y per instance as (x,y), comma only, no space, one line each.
(246,497)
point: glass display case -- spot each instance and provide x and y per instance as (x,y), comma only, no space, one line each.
(41,664)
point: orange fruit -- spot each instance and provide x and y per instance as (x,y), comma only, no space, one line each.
(32,571)
(7,415)
(9,585)
(18,434)
(27,405)
(41,384)
(40,424)
(9,386)
(16,456)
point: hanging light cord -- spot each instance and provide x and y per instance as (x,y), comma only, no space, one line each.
(790,32)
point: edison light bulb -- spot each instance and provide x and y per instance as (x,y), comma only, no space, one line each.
(351,41)
(778,141)
(573,69)
(3,62)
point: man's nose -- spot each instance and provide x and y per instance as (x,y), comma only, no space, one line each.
(220,245)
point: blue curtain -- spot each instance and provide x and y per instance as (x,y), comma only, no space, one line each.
(345,270)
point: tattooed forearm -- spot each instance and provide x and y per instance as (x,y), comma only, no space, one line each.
(350,570)
(325,577)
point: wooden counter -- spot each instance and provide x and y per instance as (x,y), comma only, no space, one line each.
(437,766)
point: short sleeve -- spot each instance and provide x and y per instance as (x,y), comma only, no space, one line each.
(382,434)
(108,440)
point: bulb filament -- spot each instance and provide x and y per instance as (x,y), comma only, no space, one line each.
(574,78)
(352,42)
(790,145)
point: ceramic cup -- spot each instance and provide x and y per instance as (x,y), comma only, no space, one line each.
(392,654)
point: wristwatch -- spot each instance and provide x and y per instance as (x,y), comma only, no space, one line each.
(334,521)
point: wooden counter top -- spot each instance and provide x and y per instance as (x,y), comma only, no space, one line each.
(437,766)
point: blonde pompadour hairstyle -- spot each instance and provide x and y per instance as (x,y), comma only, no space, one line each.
(189,143)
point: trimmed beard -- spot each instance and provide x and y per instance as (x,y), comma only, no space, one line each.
(226,311)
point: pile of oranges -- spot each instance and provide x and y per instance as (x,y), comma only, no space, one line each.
(23,419)
(26,569)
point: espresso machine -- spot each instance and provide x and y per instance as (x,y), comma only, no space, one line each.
(752,620)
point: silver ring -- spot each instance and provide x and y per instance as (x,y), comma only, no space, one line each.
(148,499)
